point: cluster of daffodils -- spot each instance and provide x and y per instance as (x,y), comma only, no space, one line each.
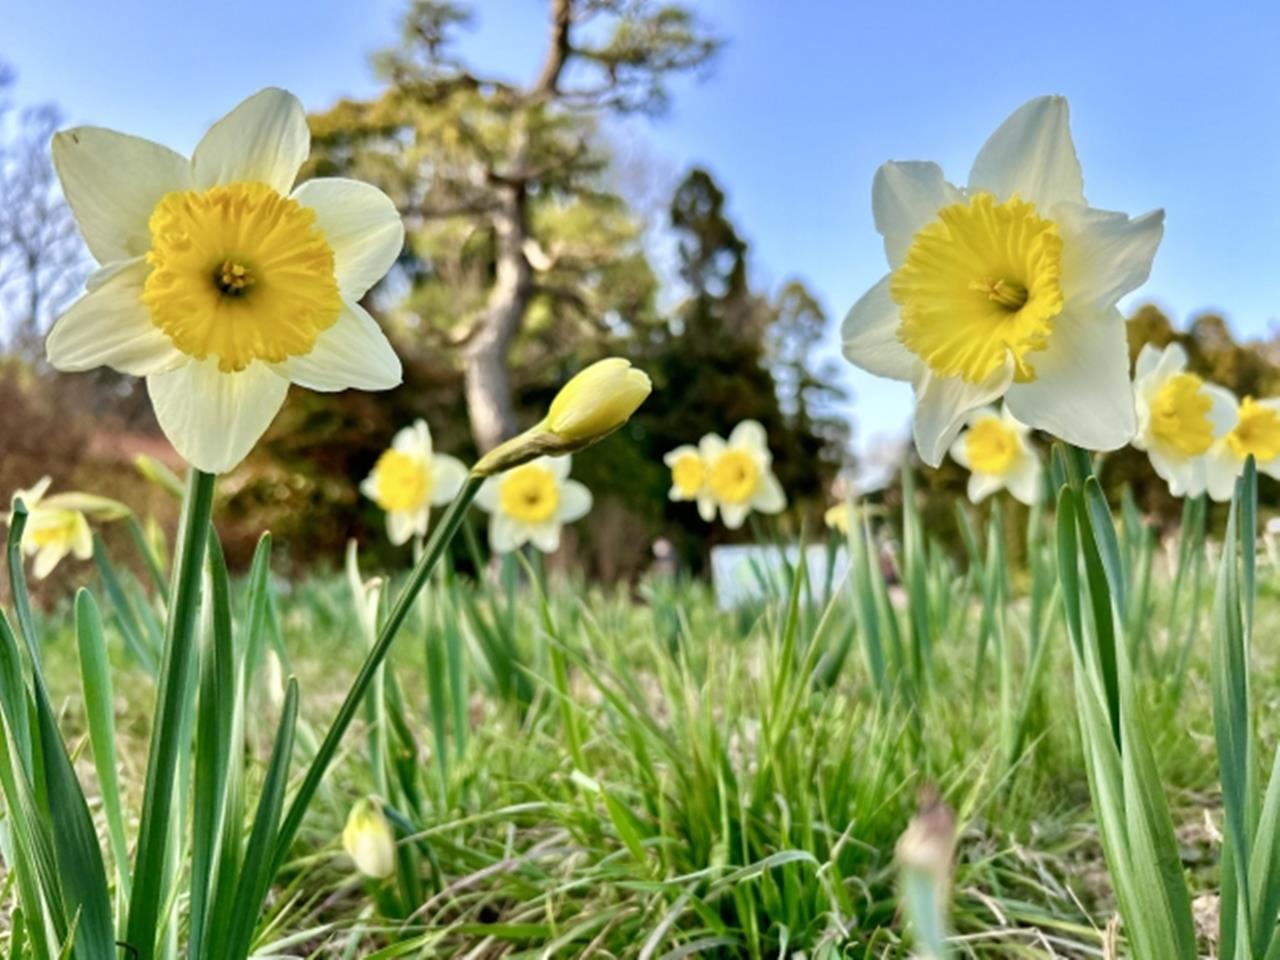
(1006,289)
(1196,434)
(733,476)
(526,491)
(58,525)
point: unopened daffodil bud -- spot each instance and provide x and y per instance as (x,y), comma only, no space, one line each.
(592,405)
(369,840)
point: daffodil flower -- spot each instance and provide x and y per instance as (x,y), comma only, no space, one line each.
(838,518)
(409,479)
(740,474)
(369,840)
(1180,418)
(531,503)
(689,476)
(58,525)
(996,451)
(220,282)
(1005,288)
(1256,433)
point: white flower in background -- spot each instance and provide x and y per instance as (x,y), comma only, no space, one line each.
(531,503)
(996,451)
(409,479)
(740,474)
(59,525)
(1005,288)
(220,282)
(1256,432)
(369,840)
(839,517)
(689,479)
(1180,417)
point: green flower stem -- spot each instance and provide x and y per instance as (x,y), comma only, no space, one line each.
(441,536)
(149,891)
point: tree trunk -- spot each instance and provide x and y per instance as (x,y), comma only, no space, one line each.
(488,385)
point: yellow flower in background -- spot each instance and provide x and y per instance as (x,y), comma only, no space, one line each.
(409,479)
(740,474)
(531,503)
(1180,418)
(597,401)
(592,405)
(58,525)
(220,282)
(839,517)
(689,479)
(996,451)
(369,840)
(1005,288)
(1256,433)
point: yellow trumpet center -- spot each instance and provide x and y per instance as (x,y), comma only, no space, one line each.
(401,482)
(979,287)
(1180,415)
(992,446)
(688,474)
(1257,432)
(48,527)
(240,273)
(530,494)
(734,476)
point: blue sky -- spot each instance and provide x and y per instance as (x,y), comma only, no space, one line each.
(1173,105)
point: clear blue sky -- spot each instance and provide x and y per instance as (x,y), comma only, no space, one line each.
(1173,104)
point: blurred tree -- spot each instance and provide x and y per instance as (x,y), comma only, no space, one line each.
(511,224)
(42,260)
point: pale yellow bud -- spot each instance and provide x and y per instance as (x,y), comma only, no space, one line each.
(596,402)
(369,840)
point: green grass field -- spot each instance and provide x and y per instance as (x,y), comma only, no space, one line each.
(638,774)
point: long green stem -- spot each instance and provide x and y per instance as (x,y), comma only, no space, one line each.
(440,539)
(166,737)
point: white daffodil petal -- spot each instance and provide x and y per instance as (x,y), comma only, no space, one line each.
(265,140)
(1104,254)
(49,557)
(1023,481)
(575,502)
(1031,154)
(353,353)
(112,182)
(82,538)
(769,498)
(361,226)
(545,536)
(1148,358)
(870,335)
(1081,392)
(487,495)
(749,435)
(400,526)
(111,327)
(706,507)
(1221,468)
(711,446)
(904,197)
(447,477)
(559,466)
(733,514)
(942,404)
(1186,476)
(1223,413)
(505,534)
(982,485)
(960,450)
(212,418)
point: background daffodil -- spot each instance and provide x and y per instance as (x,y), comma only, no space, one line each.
(1005,288)
(58,525)
(409,479)
(1180,418)
(740,474)
(220,282)
(689,476)
(998,455)
(531,503)
(1256,433)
